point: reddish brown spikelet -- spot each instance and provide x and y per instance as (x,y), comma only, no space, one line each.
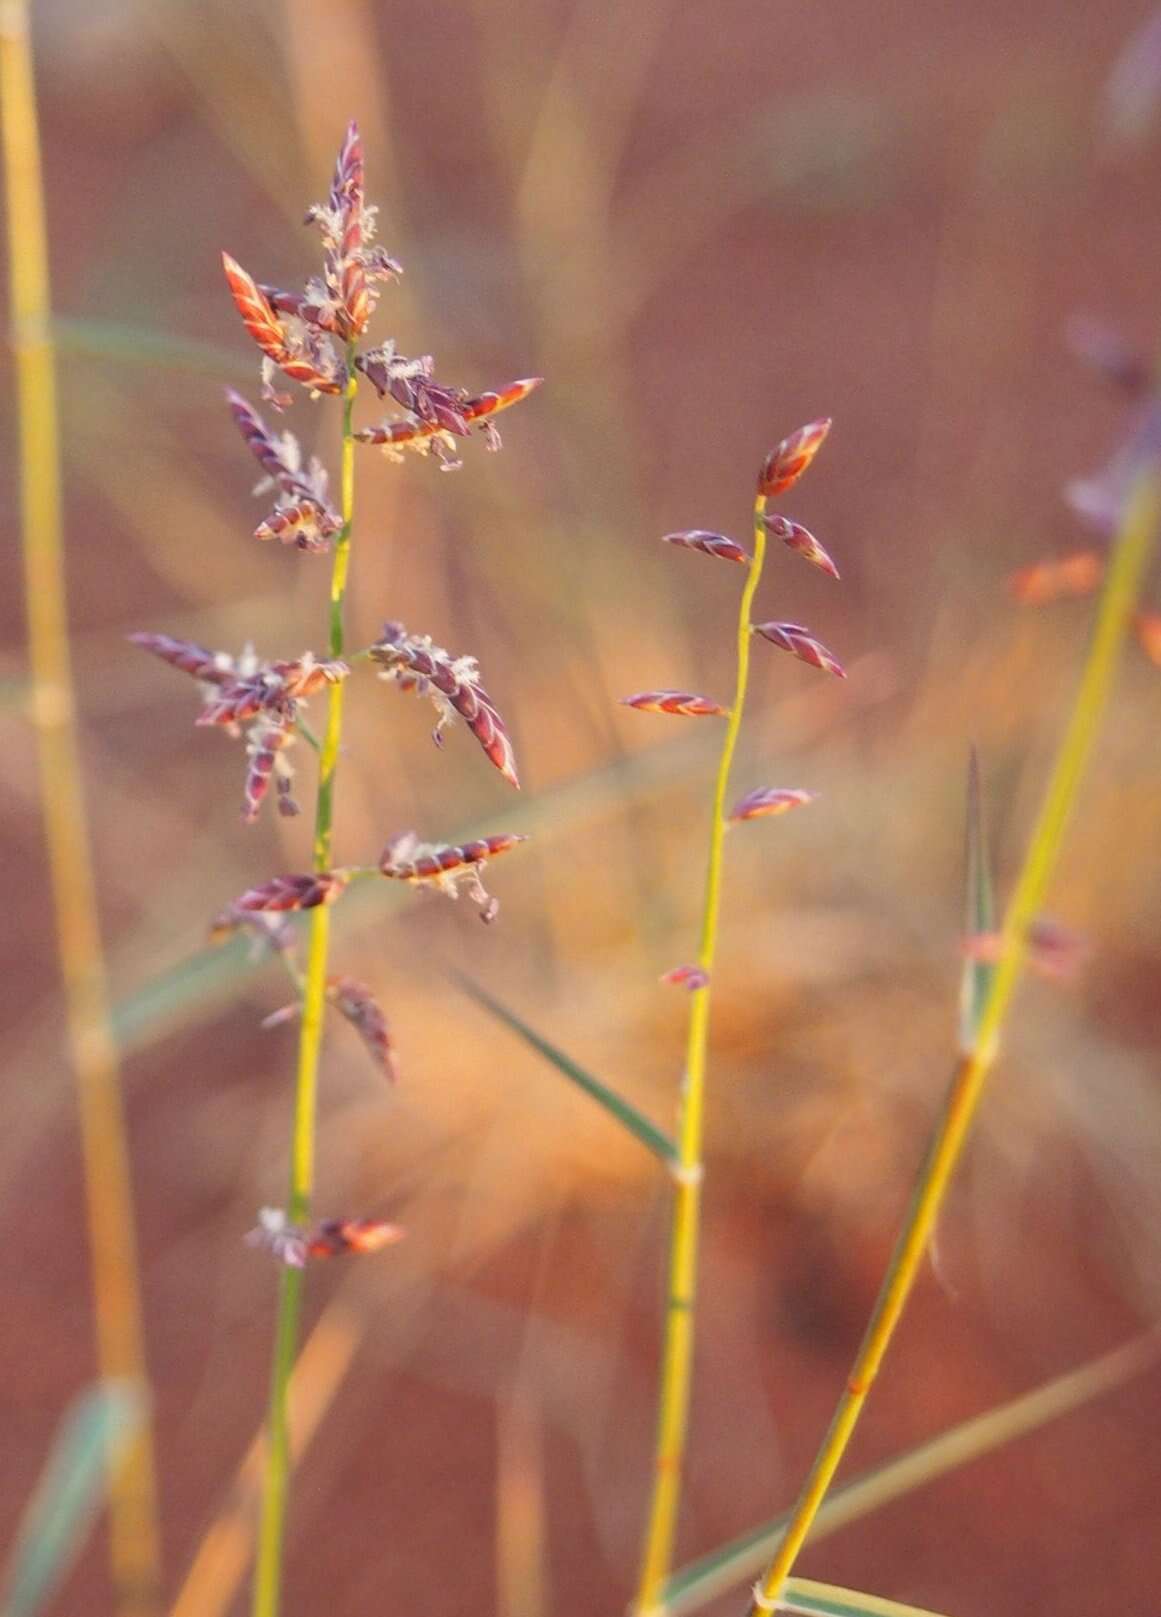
(1060,578)
(263,749)
(186,655)
(447,867)
(691,977)
(1147,628)
(769,800)
(347,203)
(785,463)
(265,448)
(397,434)
(799,539)
(800,643)
(355,1001)
(710,544)
(305,524)
(296,892)
(273,689)
(301,306)
(267,330)
(430,862)
(415,663)
(335,1236)
(683,702)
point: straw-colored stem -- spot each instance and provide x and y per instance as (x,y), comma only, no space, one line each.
(1121,589)
(681,1301)
(275,1494)
(133,1533)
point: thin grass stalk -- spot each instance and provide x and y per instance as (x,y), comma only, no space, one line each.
(133,1532)
(276,1487)
(681,1301)
(1126,571)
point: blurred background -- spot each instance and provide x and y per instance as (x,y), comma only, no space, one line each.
(703,226)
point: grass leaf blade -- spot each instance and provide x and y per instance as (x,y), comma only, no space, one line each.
(979,913)
(93,1432)
(828,1600)
(625,1113)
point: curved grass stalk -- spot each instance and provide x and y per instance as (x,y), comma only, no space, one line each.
(681,1302)
(1126,570)
(697,1584)
(276,1486)
(134,1543)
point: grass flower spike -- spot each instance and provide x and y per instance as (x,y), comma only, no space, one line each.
(415,663)
(781,470)
(312,337)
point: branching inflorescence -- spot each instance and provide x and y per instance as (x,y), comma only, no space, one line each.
(780,471)
(311,338)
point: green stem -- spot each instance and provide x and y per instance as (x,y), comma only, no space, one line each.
(276,1485)
(681,1303)
(1126,571)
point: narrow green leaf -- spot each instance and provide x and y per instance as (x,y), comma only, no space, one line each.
(805,1595)
(56,1519)
(701,1581)
(979,911)
(136,345)
(626,1114)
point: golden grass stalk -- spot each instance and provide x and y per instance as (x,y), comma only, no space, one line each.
(134,1541)
(1131,555)
(695,1585)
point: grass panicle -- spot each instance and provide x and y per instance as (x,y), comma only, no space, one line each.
(779,472)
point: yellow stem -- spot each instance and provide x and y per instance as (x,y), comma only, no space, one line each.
(133,1532)
(1117,602)
(276,1489)
(681,1302)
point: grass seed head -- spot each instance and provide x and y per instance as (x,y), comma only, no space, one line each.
(799,539)
(710,544)
(304,355)
(431,438)
(799,642)
(415,663)
(787,461)
(446,866)
(768,800)
(282,894)
(691,977)
(685,703)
